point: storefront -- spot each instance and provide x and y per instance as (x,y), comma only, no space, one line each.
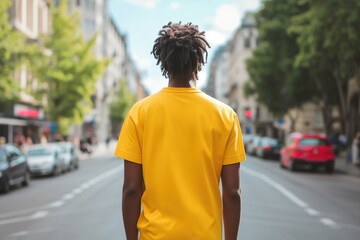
(24,122)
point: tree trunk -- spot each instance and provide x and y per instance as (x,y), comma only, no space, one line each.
(344,108)
(326,109)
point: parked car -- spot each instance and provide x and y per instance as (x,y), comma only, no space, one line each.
(45,159)
(253,144)
(268,148)
(70,155)
(246,139)
(307,149)
(13,168)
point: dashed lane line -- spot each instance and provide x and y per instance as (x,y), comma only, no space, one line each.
(291,196)
(42,211)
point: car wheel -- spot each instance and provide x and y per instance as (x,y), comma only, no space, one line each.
(282,165)
(55,171)
(293,165)
(26,181)
(6,186)
(330,166)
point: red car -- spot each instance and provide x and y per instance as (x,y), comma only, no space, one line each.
(307,149)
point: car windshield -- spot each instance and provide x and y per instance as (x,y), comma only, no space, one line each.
(2,156)
(270,141)
(63,149)
(39,152)
(313,142)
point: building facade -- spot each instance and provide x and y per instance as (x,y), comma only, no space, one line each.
(25,118)
(110,44)
(229,76)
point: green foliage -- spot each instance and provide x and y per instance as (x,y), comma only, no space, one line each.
(13,53)
(121,105)
(70,70)
(329,40)
(275,80)
(329,37)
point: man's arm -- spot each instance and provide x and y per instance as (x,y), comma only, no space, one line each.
(131,202)
(230,179)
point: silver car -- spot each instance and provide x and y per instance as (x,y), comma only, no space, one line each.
(45,159)
(70,154)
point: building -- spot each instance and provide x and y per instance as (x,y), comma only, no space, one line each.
(254,117)
(25,118)
(217,84)
(110,44)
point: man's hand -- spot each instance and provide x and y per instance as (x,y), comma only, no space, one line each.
(131,203)
(230,179)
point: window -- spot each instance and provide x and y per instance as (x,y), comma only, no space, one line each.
(2,157)
(90,5)
(78,3)
(12,153)
(313,142)
(18,10)
(40,20)
(30,15)
(247,43)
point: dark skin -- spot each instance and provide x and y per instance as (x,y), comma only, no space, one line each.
(131,201)
(133,188)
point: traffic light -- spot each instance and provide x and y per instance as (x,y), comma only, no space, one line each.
(248,113)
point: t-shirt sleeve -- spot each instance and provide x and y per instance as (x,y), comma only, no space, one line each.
(128,145)
(234,152)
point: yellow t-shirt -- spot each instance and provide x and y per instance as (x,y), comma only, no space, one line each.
(182,137)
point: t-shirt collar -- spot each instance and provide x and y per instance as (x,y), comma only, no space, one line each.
(181,90)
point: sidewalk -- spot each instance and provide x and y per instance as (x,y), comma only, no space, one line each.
(341,165)
(100,150)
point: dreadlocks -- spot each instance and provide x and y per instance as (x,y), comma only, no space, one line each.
(180,49)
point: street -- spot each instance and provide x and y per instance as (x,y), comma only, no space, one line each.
(277,204)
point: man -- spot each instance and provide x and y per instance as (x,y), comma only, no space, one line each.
(177,144)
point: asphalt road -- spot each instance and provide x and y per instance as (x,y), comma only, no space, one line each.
(277,204)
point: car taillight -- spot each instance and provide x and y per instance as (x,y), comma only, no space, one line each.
(267,148)
(297,150)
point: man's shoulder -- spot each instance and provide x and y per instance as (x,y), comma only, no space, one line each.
(144,102)
(217,104)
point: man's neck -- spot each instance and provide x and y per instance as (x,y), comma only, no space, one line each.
(182,83)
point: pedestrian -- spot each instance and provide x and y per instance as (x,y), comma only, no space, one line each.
(177,144)
(2,140)
(355,149)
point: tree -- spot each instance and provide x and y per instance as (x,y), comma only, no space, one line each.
(120,106)
(329,40)
(274,79)
(71,70)
(13,52)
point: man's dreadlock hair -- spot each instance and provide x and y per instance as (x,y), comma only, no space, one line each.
(180,49)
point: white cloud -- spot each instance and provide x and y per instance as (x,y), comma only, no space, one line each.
(227,18)
(143,62)
(216,38)
(144,3)
(174,5)
(154,84)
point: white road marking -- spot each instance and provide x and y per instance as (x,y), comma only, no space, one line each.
(56,204)
(277,186)
(36,215)
(20,234)
(69,196)
(77,191)
(327,221)
(312,212)
(291,196)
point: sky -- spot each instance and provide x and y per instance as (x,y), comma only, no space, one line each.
(141,20)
